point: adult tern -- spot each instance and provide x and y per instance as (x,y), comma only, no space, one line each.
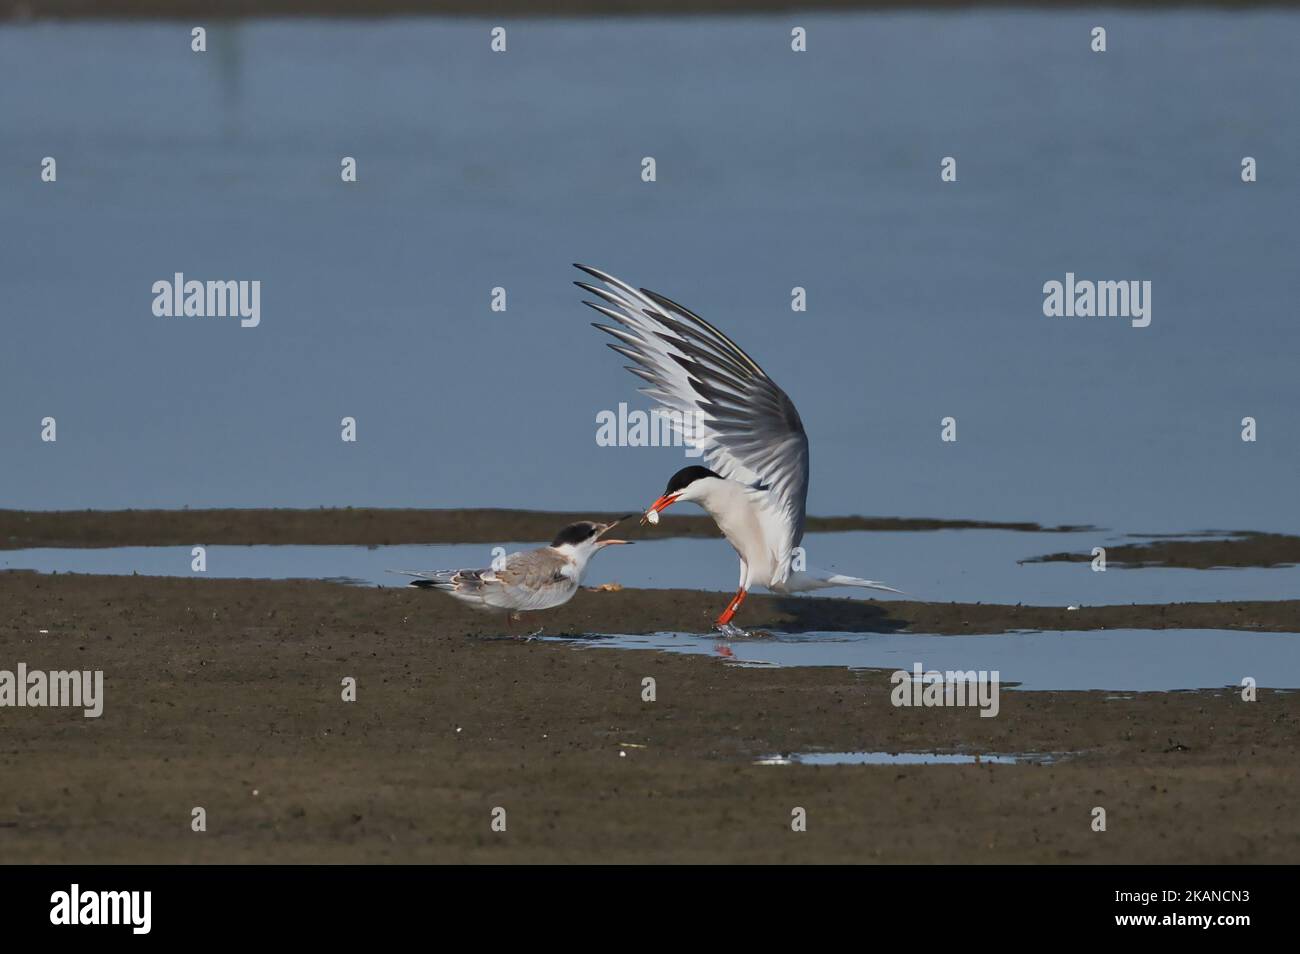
(756,485)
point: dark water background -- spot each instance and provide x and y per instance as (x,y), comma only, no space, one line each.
(775,169)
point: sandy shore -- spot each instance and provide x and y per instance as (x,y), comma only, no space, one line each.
(378,527)
(226,695)
(1223,550)
(21,529)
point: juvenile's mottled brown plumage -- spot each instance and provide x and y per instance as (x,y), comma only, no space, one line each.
(530,579)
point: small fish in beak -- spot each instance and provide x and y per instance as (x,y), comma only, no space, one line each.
(651,516)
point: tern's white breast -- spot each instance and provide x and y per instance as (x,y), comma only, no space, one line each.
(733,509)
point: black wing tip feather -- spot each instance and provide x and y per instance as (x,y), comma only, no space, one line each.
(609,331)
(600,310)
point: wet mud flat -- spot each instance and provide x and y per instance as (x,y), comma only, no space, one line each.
(226,695)
(1215,550)
(363,526)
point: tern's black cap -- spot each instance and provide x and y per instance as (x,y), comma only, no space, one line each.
(575,533)
(687,476)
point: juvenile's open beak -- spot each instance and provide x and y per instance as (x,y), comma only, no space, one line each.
(663,503)
(609,526)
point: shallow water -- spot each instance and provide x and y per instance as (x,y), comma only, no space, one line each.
(962,564)
(936,566)
(774,170)
(1121,660)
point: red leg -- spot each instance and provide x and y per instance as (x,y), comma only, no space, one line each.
(732,607)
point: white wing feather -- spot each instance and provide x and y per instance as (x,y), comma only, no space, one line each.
(724,403)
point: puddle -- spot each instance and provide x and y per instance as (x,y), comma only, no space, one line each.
(906,758)
(1117,660)
(943,565)
(964,565)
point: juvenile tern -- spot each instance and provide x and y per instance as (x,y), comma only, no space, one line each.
(529,580)
(756,485)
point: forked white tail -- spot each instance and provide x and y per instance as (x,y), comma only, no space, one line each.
(802,582)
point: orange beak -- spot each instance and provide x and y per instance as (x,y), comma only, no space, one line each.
(610,526)
(660,505)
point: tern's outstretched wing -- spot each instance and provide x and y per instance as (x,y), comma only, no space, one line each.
(747,427)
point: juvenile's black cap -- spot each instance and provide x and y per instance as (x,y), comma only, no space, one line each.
(576,533)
